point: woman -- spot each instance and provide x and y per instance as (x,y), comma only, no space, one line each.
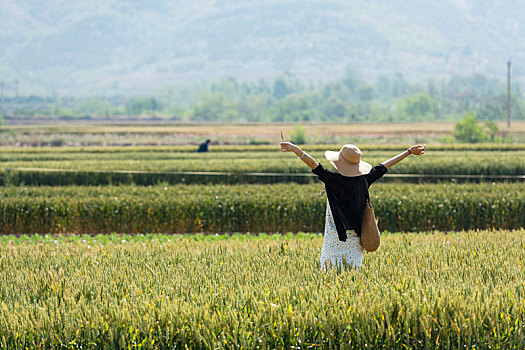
(347,192)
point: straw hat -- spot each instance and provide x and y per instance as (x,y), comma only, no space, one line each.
(348,161)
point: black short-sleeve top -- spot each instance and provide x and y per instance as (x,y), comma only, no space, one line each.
(347,196)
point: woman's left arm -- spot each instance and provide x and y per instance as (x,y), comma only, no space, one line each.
(305,157)
(417,150)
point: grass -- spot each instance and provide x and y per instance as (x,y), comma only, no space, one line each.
(418,291)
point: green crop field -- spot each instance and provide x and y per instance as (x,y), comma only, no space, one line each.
(251,208)
(85,266)
(151,165)
(438,162)
(434,290)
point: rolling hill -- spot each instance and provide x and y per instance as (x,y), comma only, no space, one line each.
(110,46)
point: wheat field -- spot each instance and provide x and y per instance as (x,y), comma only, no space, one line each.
(463,290)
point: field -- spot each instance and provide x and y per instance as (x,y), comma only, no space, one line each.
(262,160)
(235,164)
(251,208)
(434,290)
(162,133)
(122,236)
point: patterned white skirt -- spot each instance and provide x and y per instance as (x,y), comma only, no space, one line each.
(338,254)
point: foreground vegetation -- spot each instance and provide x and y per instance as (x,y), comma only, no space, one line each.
(417,291)
(251,208)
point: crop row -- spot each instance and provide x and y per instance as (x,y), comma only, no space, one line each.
(251,208)
(417,291)
(53,177)
(496,147)
(147,168)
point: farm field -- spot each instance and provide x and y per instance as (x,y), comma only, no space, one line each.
(146,201)
(126,247)
(435,290)
(445,162)
(251,208)
(151,165)
(162,133)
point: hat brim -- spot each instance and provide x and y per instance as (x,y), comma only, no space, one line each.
(345,168)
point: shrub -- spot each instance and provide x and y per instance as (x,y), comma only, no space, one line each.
(468,130)
(299,135)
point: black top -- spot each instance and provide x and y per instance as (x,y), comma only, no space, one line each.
(203,147)
(347,196)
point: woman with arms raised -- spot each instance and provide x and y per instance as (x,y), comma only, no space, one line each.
(347,192)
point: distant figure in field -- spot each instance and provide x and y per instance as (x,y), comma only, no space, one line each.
(204,146)
(347,192)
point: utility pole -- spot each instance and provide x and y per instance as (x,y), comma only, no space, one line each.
(16,93)
(442,97)
(508,94)
(1,98)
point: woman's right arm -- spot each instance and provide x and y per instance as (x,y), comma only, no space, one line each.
(417,150)
(305,157)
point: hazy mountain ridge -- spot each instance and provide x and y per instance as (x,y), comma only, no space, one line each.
(122,45)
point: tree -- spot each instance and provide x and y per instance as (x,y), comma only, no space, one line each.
(418,106)
(468,130)
(493,129)
(210,107)
(495,108)
(352,80)
(399,85)
(280,90)
(138,105)
(294,108)
(334,107)
(431,88)
(365,92)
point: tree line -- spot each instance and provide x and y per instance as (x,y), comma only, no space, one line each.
(287,98)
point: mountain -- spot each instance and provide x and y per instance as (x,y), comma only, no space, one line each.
(122,46)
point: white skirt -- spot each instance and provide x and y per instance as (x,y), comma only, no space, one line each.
(338,254)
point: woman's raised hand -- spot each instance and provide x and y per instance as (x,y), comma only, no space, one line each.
(287,146)
(290,147)
(418,150)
